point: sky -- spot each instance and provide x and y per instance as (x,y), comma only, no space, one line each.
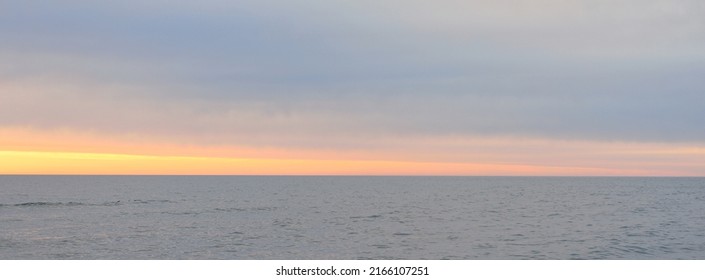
(390,87)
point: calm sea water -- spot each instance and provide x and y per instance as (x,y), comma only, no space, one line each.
(200,217)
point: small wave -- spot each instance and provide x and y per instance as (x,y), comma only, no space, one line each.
(630,250)
(43,204)
(149,201)
(240,209)
(187,213)
(232,209)
(366,217)
(59,204)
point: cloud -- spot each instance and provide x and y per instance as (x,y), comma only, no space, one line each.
(341,74)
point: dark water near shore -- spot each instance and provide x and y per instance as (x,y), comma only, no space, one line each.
(201,217)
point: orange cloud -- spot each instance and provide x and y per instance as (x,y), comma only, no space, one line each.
(25,162)
(28,151)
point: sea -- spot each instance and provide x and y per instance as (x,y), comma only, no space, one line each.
(349,218)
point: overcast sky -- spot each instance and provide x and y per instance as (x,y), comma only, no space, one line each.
(357,75)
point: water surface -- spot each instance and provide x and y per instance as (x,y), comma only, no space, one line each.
(273,217)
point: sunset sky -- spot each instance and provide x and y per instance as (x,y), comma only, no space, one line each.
(383,87)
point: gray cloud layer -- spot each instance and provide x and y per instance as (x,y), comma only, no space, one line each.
(249,72)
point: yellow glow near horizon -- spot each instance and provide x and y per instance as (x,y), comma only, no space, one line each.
(24,162)
(26,151)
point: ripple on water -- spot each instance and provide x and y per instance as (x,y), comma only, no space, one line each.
(404,217)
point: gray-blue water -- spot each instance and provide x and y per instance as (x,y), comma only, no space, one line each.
(230,217)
